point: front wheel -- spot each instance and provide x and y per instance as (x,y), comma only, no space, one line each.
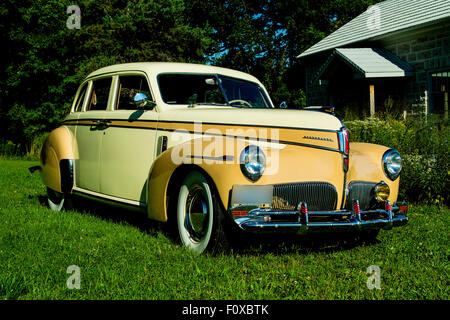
(199,216)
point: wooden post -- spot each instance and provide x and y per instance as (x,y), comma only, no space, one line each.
(446,104)
(372,100)
(445,90)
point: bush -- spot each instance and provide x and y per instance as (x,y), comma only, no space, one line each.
(424,145)
(10,150)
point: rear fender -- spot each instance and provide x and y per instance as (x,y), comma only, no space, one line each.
(57,160)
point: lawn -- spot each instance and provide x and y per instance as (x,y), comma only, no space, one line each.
(122,255)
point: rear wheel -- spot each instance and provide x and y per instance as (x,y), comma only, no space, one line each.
(58,201)
(199,215)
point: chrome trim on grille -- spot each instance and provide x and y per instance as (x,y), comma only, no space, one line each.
(318,196)
(363,192)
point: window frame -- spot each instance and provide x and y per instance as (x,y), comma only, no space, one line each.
(430,94)
(77,95)
(116,94)
(213,74)
(89,92)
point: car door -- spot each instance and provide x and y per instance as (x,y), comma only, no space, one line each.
(128,144)
(89,133)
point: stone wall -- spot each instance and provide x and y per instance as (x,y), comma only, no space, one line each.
(427,53)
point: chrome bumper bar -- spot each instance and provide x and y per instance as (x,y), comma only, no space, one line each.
(302,221)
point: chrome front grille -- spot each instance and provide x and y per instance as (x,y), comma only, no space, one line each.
(361,191)
(317,195)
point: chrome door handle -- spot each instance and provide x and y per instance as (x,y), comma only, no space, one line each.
(102,122)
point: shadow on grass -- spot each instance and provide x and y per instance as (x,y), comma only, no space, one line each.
(280,244)
(241,243)
(114,214)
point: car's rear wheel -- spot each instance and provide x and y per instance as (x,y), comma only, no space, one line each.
(58,201)
(199,215)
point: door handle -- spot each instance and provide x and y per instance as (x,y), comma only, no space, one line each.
(102,122)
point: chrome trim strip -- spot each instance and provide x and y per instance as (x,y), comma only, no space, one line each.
(299,144)
(107,198)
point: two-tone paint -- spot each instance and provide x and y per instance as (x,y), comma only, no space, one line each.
(126,156)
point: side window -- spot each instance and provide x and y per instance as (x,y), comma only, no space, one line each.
(129,86)
(80,98)
(100,94)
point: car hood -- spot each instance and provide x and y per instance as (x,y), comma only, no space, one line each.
(280,118)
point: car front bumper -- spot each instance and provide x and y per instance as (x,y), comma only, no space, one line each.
(255,219)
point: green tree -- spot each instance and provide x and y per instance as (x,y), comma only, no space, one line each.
(47,60)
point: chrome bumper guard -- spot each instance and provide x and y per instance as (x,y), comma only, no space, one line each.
(255,219)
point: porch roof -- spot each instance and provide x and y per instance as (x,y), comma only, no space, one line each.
(369,63)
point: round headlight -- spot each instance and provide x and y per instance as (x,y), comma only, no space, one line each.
(253,162)
(381,191)
(392,163)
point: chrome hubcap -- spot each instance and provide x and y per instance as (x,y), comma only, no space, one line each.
(197,213)
(55,197)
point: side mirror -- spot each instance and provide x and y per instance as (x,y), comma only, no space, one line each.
(142,102)
(283,105)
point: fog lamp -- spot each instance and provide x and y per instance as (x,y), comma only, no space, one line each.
(381,191)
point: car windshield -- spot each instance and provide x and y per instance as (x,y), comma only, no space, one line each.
(211,89)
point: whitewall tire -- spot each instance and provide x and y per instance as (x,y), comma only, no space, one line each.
(198,216)
(58,201)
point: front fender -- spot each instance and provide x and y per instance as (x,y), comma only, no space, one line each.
(365,164)
(285,164)
(222,166)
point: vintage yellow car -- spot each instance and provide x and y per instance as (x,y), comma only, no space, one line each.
(204,147)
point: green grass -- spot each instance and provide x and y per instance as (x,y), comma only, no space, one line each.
(124,256)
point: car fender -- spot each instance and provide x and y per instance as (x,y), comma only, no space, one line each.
(57,159)
(366,164)
(222,169)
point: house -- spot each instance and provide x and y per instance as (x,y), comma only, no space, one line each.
(393,56)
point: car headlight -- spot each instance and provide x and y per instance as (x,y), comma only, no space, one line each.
(392,163)
(253,162)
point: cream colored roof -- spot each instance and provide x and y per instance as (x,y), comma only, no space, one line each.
(162,67)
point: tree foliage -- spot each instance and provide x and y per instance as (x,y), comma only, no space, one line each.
(46,60)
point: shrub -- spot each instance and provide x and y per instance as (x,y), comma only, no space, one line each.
(424,145)
(10,150)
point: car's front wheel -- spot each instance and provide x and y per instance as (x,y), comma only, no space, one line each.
(199,215)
